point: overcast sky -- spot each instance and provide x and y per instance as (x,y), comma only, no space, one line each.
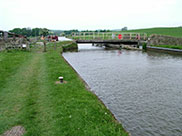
(90,14)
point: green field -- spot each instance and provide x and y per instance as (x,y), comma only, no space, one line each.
(171,31)
(30,97)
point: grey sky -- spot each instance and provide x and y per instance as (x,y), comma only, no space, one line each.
(90,14)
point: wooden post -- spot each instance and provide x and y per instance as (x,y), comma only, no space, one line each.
(44,45)
(27,45)
(20,42)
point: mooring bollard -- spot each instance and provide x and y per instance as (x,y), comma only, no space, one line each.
(61,79)
(24,46)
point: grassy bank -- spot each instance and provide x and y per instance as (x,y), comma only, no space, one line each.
(169,46)
(30,97)
(70,46)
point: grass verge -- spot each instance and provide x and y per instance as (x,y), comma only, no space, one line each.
(70,47)
(169,46)
(30,97)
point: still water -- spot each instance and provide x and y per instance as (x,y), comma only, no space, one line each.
(142,89)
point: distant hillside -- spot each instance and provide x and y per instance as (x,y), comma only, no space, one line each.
(171,31)
(57,32)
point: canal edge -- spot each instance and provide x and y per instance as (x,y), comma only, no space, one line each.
(89,89)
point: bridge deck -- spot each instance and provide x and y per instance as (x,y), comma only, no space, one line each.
(109,41)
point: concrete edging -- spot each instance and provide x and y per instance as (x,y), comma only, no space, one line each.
(164,49)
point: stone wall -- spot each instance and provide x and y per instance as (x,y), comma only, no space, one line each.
(33,40)
(12,43)
(16,42)
(164,40)
(2,44)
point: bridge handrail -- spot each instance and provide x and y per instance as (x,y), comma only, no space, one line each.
(108,36)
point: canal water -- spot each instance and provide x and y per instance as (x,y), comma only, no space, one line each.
(142,89)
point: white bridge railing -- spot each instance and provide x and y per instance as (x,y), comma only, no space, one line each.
(108,36)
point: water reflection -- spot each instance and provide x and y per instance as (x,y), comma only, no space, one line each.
(142,89)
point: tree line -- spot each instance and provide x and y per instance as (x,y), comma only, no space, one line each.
(39,31)
(30,32)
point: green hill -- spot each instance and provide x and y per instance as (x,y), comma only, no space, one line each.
(171,31)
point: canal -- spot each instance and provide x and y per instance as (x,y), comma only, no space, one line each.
(142,89)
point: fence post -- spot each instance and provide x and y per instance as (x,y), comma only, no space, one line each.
(21,42)
(139,36)
(44,46)
(144,36)
(130,36)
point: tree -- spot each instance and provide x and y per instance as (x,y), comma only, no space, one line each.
(29,32)
(70,31)
(35,32)
(44,32)
(124,29)
(16,31)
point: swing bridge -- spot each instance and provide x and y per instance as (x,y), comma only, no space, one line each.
(128,38)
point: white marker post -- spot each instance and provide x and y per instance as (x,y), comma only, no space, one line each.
(61,79)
